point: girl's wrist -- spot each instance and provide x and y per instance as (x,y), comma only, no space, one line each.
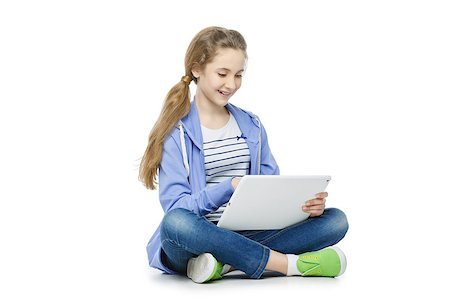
(235,182)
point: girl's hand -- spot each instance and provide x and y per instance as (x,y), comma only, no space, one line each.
(316,206)
(235,181)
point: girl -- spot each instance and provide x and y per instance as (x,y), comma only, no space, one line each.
(200,149)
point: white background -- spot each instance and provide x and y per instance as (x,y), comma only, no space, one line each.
(354,89)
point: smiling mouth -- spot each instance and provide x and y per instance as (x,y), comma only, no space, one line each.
(224,93)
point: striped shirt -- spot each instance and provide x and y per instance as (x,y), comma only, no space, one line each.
(226,155)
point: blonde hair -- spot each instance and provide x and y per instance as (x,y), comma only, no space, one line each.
(177,104)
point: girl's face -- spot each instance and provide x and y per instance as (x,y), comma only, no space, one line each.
(220,78)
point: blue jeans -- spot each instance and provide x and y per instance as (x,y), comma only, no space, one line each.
(185,235)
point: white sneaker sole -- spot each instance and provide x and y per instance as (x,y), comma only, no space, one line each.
(342,258)
(200,268)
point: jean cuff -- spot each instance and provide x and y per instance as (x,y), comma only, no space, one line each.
(262,266)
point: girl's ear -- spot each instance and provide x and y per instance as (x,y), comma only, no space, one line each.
(196,70)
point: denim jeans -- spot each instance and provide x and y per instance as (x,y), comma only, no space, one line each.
(185,235)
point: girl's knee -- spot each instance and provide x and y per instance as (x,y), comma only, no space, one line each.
(339,220)
(176,221)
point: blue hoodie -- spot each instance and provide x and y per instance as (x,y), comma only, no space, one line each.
(182,180)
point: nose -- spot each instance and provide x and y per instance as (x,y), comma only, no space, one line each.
(231,83)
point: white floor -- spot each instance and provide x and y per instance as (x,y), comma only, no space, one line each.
(363,281)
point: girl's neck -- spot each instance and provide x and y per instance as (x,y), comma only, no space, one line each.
(211,115)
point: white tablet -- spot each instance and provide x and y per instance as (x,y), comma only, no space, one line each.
(262,202)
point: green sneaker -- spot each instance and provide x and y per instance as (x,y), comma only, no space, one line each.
(328,262)
(204,268)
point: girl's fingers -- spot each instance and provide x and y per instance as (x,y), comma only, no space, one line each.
(316,211)
(316,214)
(314,208)
(316,201)
(322,195)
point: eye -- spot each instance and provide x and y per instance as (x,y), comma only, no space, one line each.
(239,76)
(222,75)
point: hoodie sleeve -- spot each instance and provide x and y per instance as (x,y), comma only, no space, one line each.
(268,164)
(175,190)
